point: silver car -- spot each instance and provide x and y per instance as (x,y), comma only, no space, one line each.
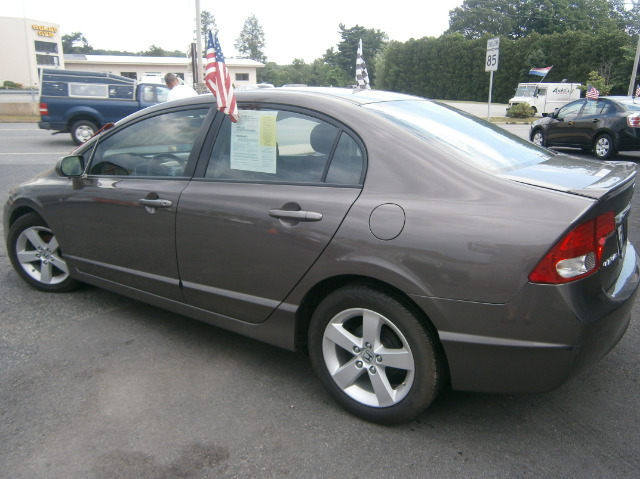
(406,246)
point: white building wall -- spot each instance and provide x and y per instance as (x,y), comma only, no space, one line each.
(27,45)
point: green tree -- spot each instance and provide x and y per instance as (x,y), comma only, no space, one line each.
(154,51)
(207,24)
(343,61)
(518,19)
(598,82)
(75,42)
(250,43)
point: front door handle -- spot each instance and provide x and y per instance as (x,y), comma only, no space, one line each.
(297,215)
(155,203)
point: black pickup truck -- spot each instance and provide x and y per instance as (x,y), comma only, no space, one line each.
(83,102)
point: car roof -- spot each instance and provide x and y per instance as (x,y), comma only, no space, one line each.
(351,95)
(309,97)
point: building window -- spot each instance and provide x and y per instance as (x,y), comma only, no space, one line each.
(48,60)
(242,77)
(46,47)
(132,75)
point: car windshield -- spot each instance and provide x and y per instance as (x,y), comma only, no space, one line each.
(525,90)
(475,141)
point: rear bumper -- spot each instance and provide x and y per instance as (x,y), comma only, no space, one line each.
(47,125)
(539,340)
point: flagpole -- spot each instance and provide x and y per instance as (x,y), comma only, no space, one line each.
(635,68)
(198,63)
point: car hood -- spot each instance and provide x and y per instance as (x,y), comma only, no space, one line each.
(580,176)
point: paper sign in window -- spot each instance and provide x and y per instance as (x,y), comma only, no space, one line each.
(253,142)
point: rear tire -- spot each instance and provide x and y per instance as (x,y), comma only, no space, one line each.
(603,147)
(374,355)
(36,256)
(82,130)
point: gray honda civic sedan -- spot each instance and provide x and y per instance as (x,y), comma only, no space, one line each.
(404,245)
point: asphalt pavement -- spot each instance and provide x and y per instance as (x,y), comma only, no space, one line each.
(95,385)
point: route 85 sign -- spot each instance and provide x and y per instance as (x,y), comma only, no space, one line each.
(493,53)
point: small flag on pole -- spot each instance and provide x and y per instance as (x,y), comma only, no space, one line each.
(362,77)
(637,91)
(218,80)
(592,93)
(541,72)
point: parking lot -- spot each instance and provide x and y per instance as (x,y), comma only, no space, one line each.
(96,385)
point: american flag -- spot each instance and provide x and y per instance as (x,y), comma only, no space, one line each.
(592,93)
(218,80)
(637,91)
(362,77)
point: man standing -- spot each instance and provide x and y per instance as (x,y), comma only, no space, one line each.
(178,90)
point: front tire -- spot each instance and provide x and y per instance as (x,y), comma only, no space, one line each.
(374,355)
(538,138)
(603,147)
(82,130)
(36,256)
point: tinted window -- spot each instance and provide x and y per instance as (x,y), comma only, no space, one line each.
(347,162)
(471,139)
(283,146)
(632,104)
(595,107)
(156,146)
(570,109)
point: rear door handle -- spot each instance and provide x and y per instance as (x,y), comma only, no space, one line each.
(298,215)
(595,120)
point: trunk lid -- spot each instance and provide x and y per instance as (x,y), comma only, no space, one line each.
(580,176)
(611,183)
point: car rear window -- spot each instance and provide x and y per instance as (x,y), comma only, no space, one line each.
(471,139)
(630,104)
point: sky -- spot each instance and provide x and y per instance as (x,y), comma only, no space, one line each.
(292,29)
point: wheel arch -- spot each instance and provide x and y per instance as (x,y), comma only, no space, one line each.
(21,211)
(613,134)
(538,129)
(83,116)
(318,292)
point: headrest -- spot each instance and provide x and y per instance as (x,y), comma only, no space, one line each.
(322,137)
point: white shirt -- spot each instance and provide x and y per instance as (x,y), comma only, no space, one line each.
(181,91)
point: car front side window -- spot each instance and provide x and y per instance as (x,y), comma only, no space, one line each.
(284,146)
(572,109)
(158,146)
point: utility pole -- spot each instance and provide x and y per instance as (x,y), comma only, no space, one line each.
(197,77)
(635,69)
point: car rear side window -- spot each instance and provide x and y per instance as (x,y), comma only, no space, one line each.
(470,139)
(284,146)
(158,146)
(595,107)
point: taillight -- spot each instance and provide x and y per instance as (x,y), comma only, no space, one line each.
(44,111)
(633,120)
(577,254)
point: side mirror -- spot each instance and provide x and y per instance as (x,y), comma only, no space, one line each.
(70,166)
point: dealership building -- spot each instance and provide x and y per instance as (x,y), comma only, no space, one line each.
(36,44)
